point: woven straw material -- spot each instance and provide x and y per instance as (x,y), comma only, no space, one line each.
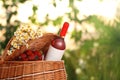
(33,70)
(41,44)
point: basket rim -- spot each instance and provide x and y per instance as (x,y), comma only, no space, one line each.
(31,61)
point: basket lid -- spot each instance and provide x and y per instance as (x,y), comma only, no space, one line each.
(41,43)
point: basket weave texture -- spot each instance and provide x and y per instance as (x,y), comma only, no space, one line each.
(41,43)
(33,70)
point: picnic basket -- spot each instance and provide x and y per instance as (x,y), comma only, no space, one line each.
(32,70)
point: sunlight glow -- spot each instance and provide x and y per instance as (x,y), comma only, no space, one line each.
(106,8)
(24,11)
(95,7)
(45,7)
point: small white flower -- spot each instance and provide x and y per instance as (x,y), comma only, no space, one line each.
(22,35)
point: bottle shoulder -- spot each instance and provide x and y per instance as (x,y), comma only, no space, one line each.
(58,43)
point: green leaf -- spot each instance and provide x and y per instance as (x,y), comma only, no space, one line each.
(57,21)
(22,1)
(34,8)
(54,3)
(76,35)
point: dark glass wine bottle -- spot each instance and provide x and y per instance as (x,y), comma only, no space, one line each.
(57,47)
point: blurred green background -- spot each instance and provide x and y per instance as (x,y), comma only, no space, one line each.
(93,47)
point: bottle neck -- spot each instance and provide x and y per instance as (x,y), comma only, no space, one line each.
(64,29)
(62,37)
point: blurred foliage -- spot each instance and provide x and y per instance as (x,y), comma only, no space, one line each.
(93,59)
(8,5)
(33,17)
(96,59)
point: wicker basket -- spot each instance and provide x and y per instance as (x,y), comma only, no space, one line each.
(33,70)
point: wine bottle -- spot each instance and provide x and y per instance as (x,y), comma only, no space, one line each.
(57,47)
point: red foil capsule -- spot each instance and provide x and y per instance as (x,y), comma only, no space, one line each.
(64,29)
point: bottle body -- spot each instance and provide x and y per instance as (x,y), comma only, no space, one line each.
(54,54)
(56,50)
